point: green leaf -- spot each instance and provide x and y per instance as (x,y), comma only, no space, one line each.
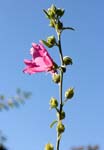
(60,12)
(51,125)
(68,28)
(46,13)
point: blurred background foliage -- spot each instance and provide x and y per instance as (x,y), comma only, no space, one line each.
(19,98)
(2,141)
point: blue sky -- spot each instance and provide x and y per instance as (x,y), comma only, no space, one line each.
(23,22)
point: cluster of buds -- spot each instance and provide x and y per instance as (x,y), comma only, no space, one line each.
(54,14)
(67,61)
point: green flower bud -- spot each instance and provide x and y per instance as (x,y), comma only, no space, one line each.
(53,102)
(49,146)
(62,116)
(53,9)
(51,40)
(67,60)
(52,12)
(60,12)
(60,127)
(69,93)
(56,78)
(46,43)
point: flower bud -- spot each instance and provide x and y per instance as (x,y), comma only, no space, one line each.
(49,146)
(60,127)
(51,12)
(60,12)
(69,93)
(53,9)
(67,60)
(46,43)
(56,78)
(62,116)
(51,40)
(53,102)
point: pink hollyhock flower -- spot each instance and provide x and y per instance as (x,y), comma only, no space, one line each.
(40,62)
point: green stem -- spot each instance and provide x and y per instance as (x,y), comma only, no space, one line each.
(60,49)
(61,72)
(57,142)
(60,87)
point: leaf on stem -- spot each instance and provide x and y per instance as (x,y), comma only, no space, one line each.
(46,13)
(52,124)
(68,28)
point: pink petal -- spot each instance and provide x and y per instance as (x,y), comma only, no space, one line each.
(41,60)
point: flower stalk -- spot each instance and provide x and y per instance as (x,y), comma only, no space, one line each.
(42,62)
(60,87)
(54,14)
